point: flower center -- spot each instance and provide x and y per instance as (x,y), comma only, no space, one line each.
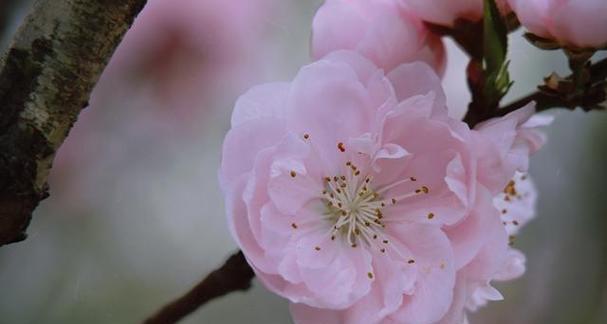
(355,208)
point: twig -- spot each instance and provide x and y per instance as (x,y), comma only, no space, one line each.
(234,275)
(544,101)
(46,76)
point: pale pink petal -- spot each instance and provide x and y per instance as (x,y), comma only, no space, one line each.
(238,159)
(418,79)
(532,14)
(380,30)
(514,266)
(264,101)
(328,102)
(559,20)
(304,314)
(433,292)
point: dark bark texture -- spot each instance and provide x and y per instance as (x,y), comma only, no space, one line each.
(46,76)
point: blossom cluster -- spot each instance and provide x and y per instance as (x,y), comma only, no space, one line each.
(354,194)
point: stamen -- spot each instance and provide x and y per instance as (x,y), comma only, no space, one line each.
(355,209)
(388,187)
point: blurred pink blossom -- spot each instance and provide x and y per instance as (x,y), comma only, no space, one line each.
(181,60)
(446,12)
(381,30)
(185,52)
(354,195)
(576,23)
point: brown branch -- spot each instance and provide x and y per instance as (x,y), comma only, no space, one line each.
(46,76)
(234,275)
(545,100)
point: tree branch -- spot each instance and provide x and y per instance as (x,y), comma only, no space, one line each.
(46,76)
(234,275)
(545,101)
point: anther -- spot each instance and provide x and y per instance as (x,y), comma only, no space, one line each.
(430,215)
(293,174)
(423,189)
(411,261)
(370,275)
(294,225)
(341,147)
(306,136)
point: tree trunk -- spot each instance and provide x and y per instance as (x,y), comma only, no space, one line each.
(46,76)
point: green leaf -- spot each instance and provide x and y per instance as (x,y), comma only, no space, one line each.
(495,38)
(495,48)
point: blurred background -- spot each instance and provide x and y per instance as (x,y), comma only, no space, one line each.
(135,217)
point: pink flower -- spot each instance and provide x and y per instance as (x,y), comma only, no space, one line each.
(446,12)
(517,202)
(380,30)
(573,23)
(337,187)
(481,241)
(355,196)
(496,261)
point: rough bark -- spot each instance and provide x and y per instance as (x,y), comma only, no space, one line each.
(46,76)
